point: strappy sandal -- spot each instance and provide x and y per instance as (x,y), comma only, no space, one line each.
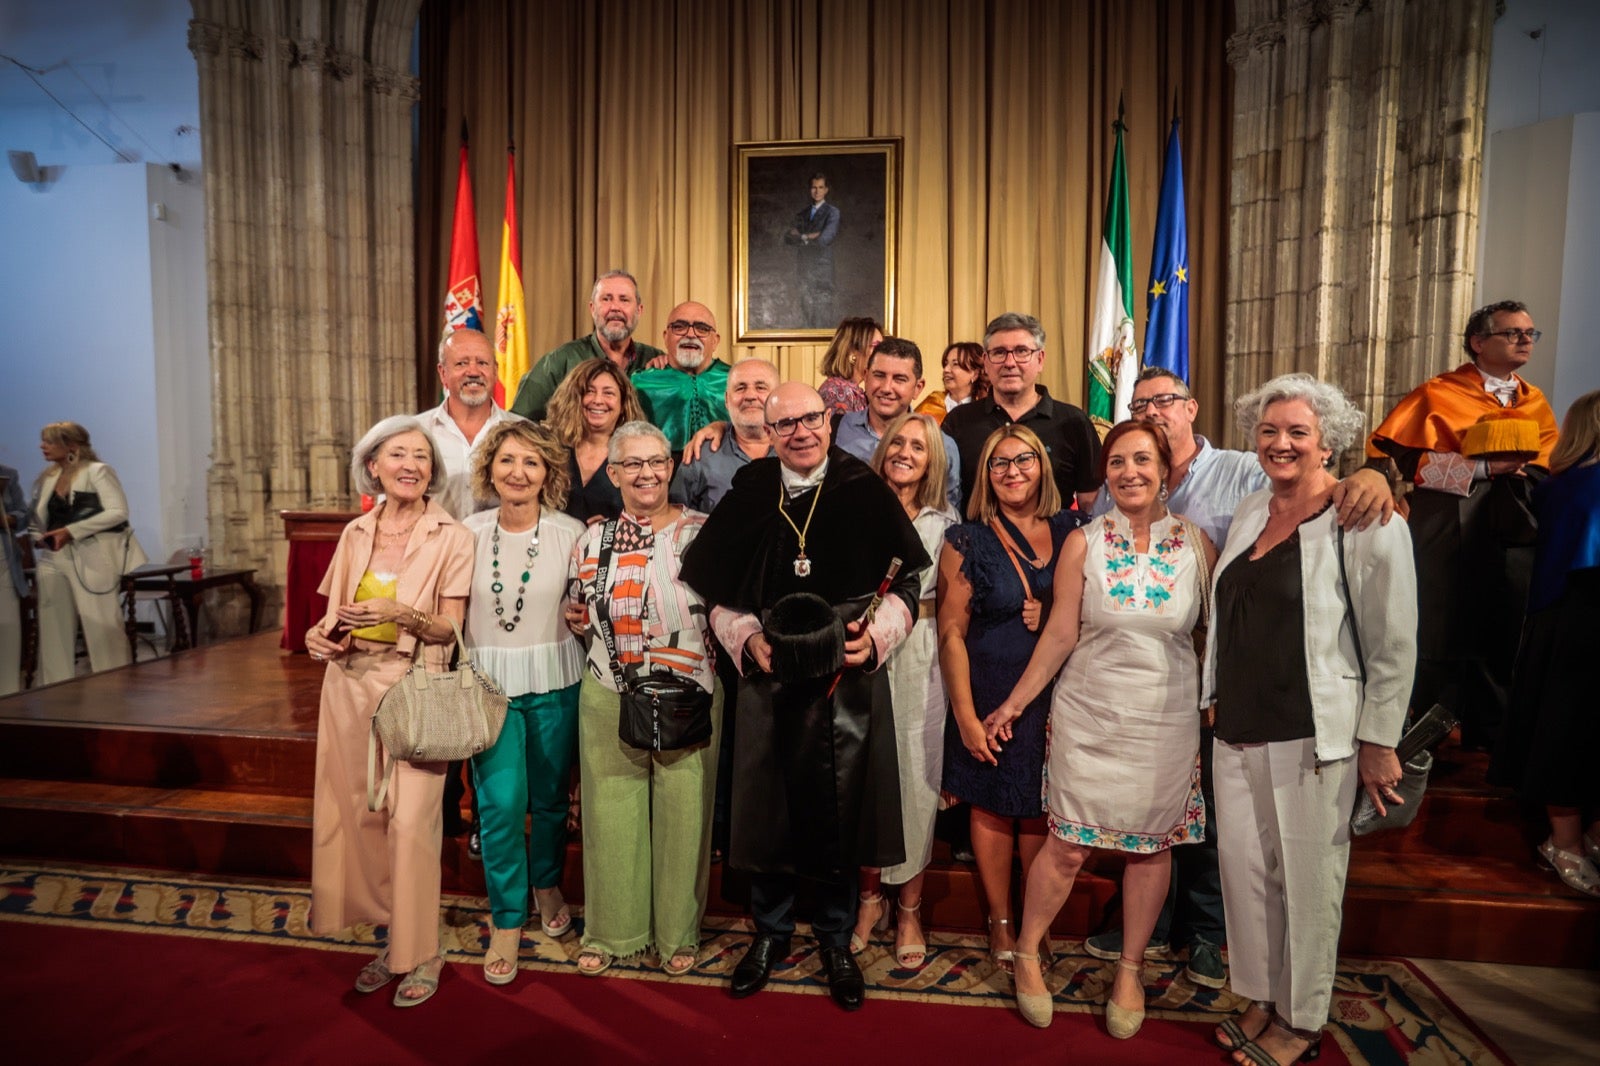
(879,922)
(678,971)
(374,975)
(909,956)
(1001,959)
(504,944)
(1255,1055)
(603,961)
(1236,1036)
(560,923)
(426,977)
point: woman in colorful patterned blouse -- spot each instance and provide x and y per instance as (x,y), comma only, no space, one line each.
(518,636)
(845,365)
(1122,765)
(646,814)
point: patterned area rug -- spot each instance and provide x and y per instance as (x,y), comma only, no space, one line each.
(1384,1010)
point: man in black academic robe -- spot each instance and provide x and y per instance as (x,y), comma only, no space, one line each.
(816,780)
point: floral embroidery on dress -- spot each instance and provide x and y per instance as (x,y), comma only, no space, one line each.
(1191,829)
(1134,580)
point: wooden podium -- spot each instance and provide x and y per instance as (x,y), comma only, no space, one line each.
(313,536)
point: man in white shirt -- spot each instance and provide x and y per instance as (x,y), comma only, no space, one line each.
(467,372)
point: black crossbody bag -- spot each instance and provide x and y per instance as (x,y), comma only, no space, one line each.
(660,711)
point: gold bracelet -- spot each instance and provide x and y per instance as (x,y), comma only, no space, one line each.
(422,622)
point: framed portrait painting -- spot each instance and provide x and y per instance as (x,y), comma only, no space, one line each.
(815,232)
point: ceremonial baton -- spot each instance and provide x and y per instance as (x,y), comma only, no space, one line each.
(872,609)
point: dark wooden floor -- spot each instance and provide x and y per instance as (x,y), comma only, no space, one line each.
(203,761)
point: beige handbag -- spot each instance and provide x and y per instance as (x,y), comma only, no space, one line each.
(433,717)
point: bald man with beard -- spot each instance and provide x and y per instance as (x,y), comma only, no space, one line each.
(687,393)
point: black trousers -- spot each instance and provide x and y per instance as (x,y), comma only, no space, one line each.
(834,916)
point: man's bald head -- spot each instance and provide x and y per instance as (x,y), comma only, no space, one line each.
(802,447)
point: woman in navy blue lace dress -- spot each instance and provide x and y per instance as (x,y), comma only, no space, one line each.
(995,578)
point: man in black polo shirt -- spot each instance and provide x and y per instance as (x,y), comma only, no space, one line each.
(1014,351)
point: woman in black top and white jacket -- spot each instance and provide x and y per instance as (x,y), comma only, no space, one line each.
(80,518)
(1303,718)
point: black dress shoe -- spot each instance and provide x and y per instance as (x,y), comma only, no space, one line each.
(845,983)
(750,976)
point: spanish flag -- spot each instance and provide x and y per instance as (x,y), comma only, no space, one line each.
(510,326)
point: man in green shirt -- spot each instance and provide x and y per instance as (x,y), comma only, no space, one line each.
(688,392)
(614,305)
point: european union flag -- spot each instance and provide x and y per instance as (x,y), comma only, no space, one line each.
(1166,333)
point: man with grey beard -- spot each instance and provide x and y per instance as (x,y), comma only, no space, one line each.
(614,305)
(686,393)
(705,480)
(467,373)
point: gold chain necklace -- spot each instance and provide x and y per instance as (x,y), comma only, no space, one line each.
(802,565)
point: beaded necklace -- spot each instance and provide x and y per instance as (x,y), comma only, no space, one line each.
(497,586)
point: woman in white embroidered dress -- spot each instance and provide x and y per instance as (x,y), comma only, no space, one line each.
(1122,762)
(516,626)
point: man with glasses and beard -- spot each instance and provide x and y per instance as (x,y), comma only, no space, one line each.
(615,306)
(686,394)
(1014,355)
(1472,525)
(789,562)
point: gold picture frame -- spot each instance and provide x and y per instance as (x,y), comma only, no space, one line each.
(802,265)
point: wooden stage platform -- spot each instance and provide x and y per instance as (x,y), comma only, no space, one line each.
(202,762)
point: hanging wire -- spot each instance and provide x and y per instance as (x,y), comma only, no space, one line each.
(122,154)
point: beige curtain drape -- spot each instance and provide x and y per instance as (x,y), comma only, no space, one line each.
(624,115)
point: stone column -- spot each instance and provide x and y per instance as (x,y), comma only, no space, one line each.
(306,137)
(1357,155)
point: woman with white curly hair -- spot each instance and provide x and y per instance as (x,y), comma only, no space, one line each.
(1309,666)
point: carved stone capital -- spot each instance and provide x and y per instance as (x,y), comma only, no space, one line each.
(1262,37)
(205,38)
(385,81)
(245,45)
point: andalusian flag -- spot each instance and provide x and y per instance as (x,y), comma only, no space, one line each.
(510,325)
(1166,331)
(1113,360)
(463,299)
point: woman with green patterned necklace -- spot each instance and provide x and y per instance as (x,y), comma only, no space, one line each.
(515,627)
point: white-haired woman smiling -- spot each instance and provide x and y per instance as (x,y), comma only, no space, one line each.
(646,813)
(1310,663)
(401,573)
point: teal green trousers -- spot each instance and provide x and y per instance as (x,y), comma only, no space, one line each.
(646,832)
(523,778)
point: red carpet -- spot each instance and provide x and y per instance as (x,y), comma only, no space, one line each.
(79,995)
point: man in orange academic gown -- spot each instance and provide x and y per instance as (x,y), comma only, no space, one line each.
(1471,524)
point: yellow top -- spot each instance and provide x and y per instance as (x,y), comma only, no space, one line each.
(375,586)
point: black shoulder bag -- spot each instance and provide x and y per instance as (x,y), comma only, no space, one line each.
(660,711)
(1416,761)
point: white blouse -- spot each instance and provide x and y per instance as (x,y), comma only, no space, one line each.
(539,654)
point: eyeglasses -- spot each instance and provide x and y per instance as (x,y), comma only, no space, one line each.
(999,355)
(1516,336)
(785,427)
(1023,461)
(1160,403)
(658,465)
(700,329)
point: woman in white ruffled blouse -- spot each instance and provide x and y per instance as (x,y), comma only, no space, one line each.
(515,626)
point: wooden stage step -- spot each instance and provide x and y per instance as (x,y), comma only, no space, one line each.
(202,763)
